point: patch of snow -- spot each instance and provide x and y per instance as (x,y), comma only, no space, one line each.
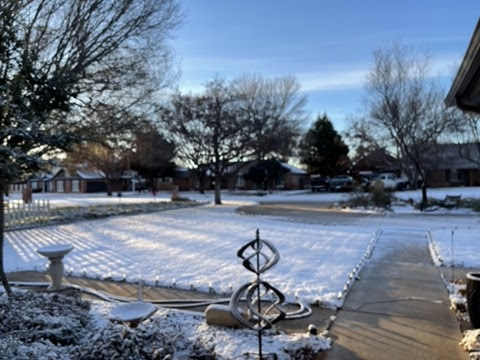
(470,341)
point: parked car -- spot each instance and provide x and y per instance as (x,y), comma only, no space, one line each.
(319,183)
(341,183)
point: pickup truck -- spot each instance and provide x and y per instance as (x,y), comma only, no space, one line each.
(392,182)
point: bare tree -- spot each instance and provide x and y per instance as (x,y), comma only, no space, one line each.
(405,107)
(274,111)
(188,133)
(207,129)
(58,57)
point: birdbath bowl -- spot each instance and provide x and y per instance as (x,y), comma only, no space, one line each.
(132,313)
(55,254)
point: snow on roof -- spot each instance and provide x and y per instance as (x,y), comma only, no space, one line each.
(91,174)
(53,173)
(294,169)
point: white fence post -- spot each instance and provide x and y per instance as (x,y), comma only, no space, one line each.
(18,213)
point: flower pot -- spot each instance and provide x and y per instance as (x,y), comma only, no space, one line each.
(473,298)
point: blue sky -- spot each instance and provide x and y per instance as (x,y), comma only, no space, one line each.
(327,45)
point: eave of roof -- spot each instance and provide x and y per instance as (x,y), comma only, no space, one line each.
(465,90)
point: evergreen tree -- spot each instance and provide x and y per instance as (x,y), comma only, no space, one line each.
(323,150)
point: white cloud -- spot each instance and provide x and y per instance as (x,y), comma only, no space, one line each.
(332,80)
(446,67)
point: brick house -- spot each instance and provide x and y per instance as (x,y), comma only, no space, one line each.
(64,181)
(454,165)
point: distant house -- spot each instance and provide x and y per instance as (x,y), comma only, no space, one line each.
(295,178)
(454,165)
(17,186)
(77,181)
(38,182)
(377,161)
(235,177)
(183,179)
(41,181)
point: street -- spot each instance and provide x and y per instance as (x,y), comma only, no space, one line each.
(308,212)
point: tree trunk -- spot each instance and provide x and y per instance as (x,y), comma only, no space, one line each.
(424,203)
(109,183)
(3,277)
(218,200)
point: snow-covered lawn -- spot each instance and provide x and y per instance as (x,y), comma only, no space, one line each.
(459,246)
(244,197)
(196,247)
(440,193)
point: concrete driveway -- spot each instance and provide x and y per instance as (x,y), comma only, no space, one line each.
(320,212)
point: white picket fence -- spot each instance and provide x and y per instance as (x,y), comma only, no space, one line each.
(18,214)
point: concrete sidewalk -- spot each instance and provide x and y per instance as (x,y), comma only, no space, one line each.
(399,308)
(320,317)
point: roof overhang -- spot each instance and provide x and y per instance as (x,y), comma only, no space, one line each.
(465,90)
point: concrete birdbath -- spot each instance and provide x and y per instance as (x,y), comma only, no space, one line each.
(55,254)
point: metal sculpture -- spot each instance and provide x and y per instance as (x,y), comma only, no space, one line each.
(261,301)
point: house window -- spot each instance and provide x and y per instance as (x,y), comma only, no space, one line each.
(60,187)
(34,185)
(75,185)
(448,176)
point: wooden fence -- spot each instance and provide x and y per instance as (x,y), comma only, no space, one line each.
(18,213)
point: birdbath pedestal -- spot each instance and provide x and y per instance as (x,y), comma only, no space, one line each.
(55,254)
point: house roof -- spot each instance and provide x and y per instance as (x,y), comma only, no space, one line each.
(244,166)
(64,173)
(465,90)
(378,160)
(455,156)
(293,169)
(90,175)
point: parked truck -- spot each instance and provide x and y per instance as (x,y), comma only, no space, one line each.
(392,182)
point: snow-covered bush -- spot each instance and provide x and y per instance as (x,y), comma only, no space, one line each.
(35,317)
(52,326)
(150,340)
(36,326)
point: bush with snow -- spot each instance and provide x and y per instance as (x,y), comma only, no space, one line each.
(53,326)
